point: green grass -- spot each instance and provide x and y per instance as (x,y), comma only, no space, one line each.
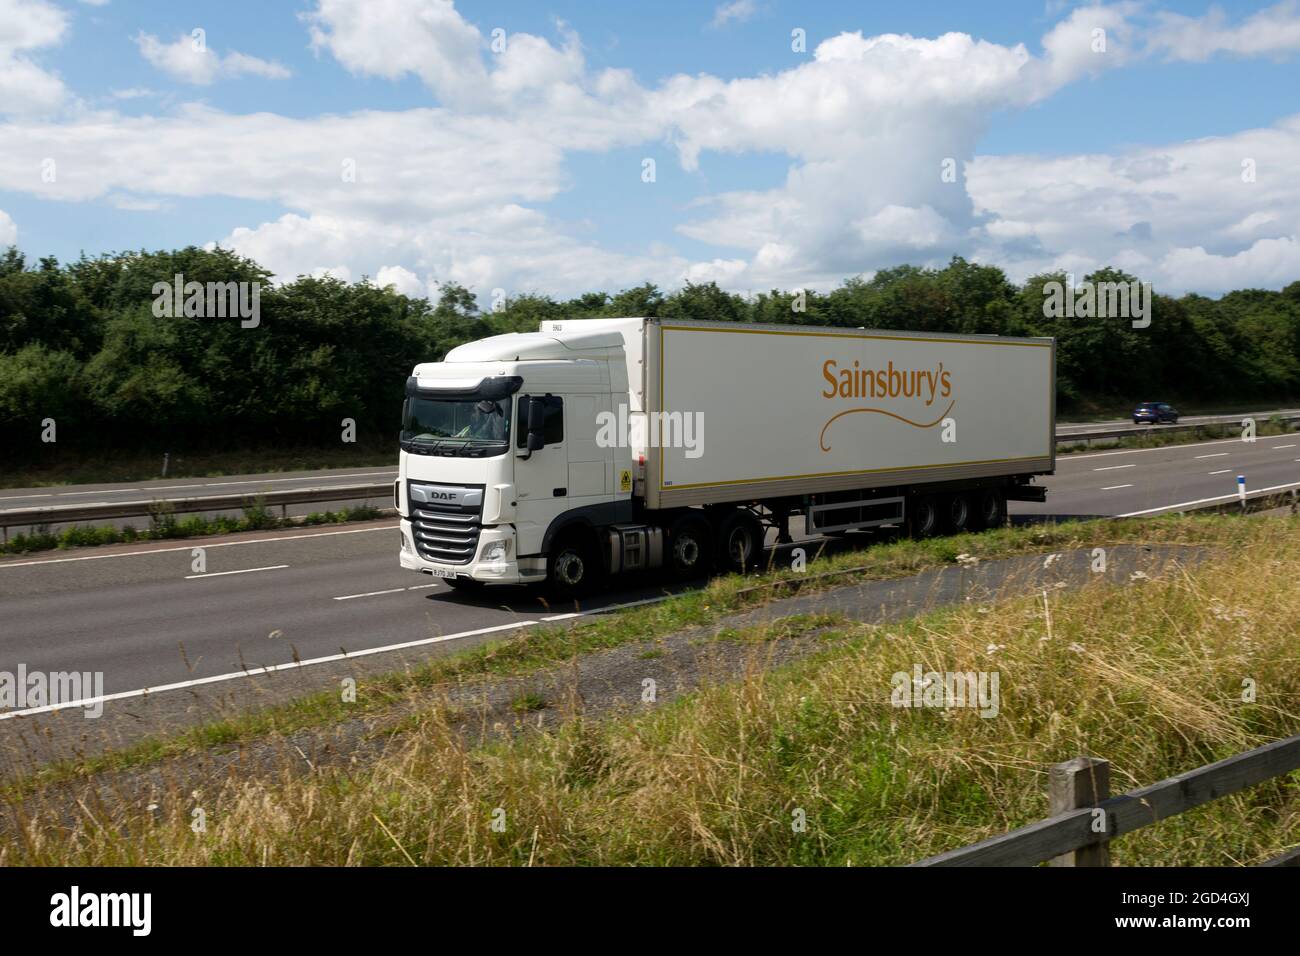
(527,703)
(1147,676)
(164,525)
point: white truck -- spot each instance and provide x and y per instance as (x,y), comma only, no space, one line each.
(595,447)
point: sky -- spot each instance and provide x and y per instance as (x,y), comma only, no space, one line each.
(557,147)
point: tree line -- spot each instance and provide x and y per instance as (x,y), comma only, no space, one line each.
(81,344)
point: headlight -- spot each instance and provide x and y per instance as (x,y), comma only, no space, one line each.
(495,551)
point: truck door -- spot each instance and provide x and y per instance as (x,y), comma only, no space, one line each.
(541,478)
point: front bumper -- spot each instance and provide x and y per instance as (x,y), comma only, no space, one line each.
(507,570)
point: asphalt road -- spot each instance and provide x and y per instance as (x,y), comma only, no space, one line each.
(144,617)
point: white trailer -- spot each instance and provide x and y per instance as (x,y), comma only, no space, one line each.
(597,446)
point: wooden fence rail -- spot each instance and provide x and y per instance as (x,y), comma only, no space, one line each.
(1086,818)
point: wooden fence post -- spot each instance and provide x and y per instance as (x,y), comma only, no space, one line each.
(1081,782)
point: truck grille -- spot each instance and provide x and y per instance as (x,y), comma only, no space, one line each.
(446,530)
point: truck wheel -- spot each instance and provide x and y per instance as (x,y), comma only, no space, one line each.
(740,542)
(961,513)
(992,509)
(923,517)
(572,568)
(690,554)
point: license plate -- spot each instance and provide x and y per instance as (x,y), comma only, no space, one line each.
(442,573)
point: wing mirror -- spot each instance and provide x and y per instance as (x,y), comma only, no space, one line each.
(536,427)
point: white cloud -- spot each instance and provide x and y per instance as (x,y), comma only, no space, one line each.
(1266,263)
(512,248)
(402,280)
(132,93)
(868,123)
(738,11)
(189,60)
(25,88)
(1183,214)
(8,230)
(391,38)
(1270,32)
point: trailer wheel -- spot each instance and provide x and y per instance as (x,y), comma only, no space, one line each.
(740,542)
(923,517)
(572,568)
(991,512)
(961,513)
(690,552)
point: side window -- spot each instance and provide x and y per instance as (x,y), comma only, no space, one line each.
(554,420)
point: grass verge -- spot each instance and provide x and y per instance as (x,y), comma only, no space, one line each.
(1149,677)
(165,525)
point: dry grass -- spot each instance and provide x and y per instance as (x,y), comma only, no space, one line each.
(1148,675)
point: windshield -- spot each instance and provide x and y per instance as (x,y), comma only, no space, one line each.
(456,423)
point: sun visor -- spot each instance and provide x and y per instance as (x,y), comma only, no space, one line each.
(493,387)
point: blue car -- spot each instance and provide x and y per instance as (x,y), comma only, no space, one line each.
(1154,413)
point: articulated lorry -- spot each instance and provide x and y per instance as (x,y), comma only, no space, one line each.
(595,447)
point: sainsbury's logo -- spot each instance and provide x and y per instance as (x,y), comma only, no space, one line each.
(889,383)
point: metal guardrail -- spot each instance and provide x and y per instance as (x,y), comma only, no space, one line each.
(1088,433)
(67,514)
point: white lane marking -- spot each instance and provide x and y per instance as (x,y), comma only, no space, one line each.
(101,491)
(1060,459)
(331,659)
(1221,454)
(349,597)
(1206,501)
(221,574)
(18,497)
(414,587)
(1225,471)
(1114,467)
(1115,487)
(198,543)
(1278,447)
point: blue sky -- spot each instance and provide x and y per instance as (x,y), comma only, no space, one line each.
(1063,151)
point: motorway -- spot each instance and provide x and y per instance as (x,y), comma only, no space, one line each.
(1066,429)
(172,489)
(143,616)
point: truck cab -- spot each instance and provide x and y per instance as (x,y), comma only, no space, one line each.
(500,452)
